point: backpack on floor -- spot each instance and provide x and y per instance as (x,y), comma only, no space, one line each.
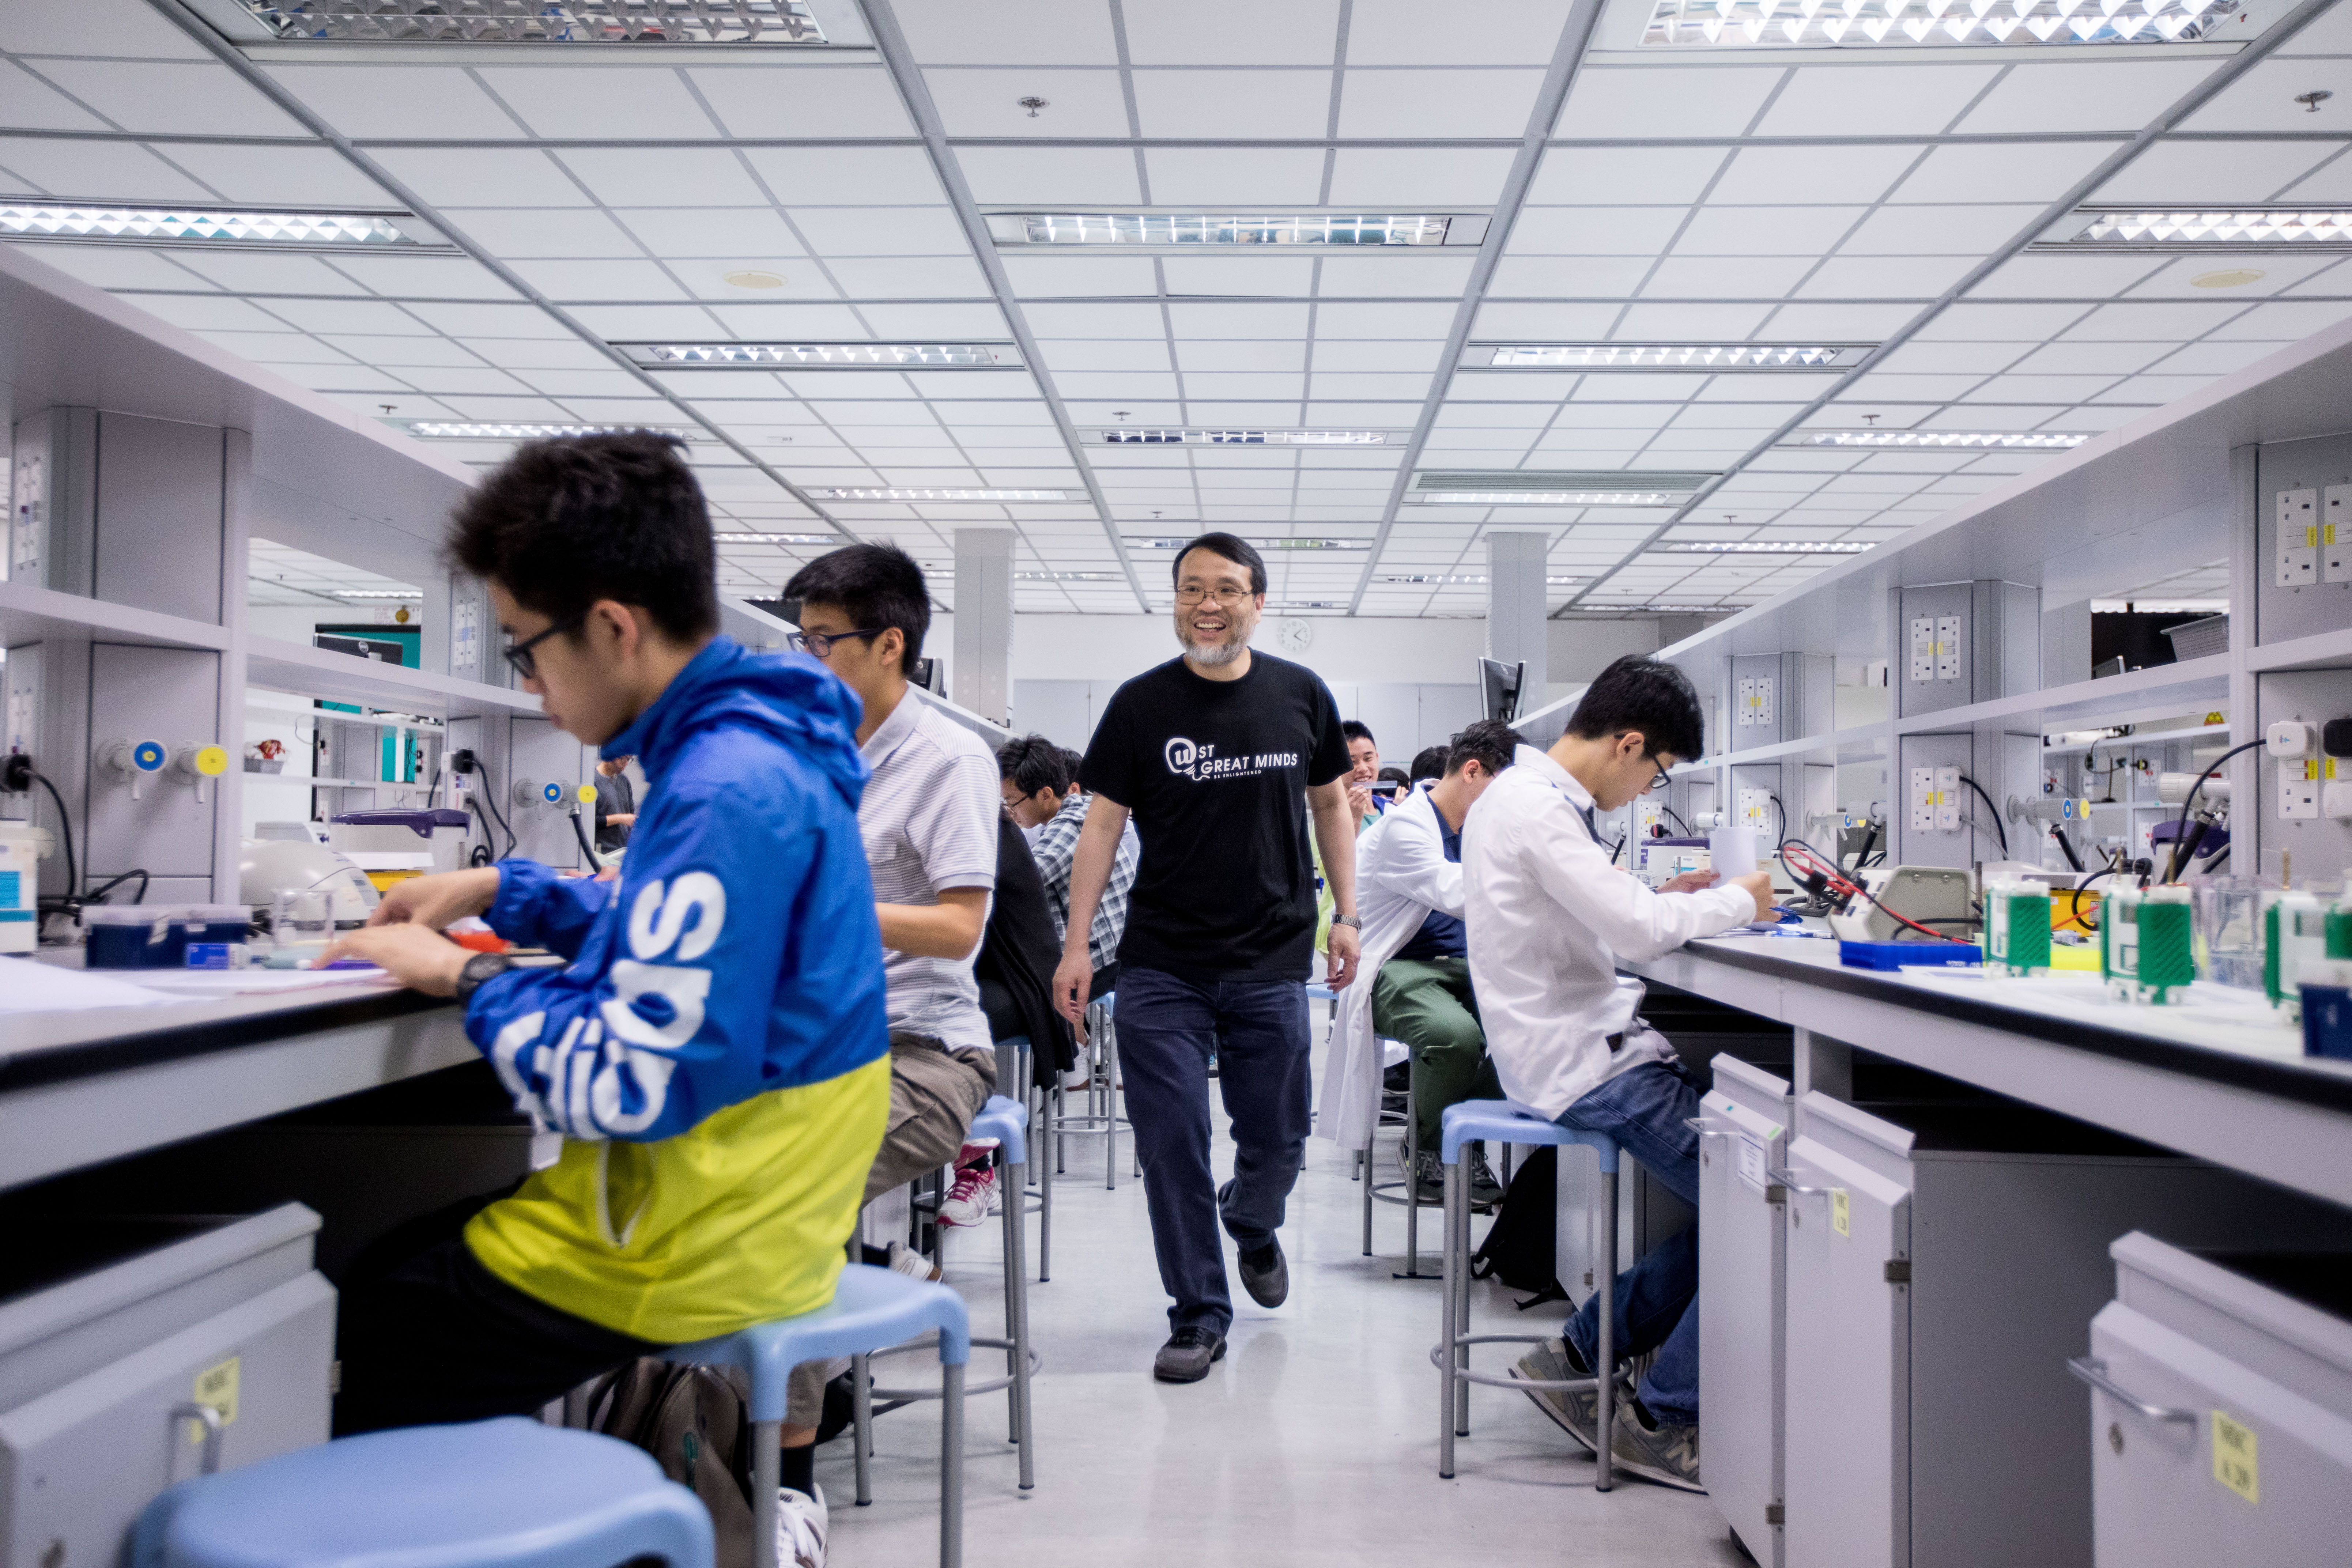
(1521,1247)
(692,1420)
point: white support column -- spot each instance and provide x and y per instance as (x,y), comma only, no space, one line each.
(1517,630)
(982,676)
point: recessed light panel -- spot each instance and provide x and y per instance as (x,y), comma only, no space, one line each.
(897,492)
(1536,487)
(1193,231)
(1663,356)
(1261,545)
(216,229)
(1763,547)
(1439,578)
(824,356)
(1946,440)
(1938,24)
(376,594)
(2194,229)
(638,22)
(731,536)
(1066,576)
(1129,435)
(468,430)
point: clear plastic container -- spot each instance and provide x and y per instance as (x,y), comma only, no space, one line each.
(2230,931)
(131,936)
(209,924)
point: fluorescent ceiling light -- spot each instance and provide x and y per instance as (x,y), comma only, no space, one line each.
(1907,24)
(376,594)
(1549,498)
(730,536)
(1286,543)
(1967,440)
(824,356)
(1186,231)
(1763,547)
(1066,576)
(2245,228)
(212,228)
(636,22)
(1663,356)
(897,493)
(1480,577)
(468,430)
(1536,487)
(1125,436)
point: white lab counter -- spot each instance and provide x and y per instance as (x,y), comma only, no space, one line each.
(2216,1079)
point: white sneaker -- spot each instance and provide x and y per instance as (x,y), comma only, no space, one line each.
(912,1264)
(800,1524)
(972,1198)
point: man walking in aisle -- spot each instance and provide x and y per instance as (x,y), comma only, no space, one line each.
(1220,756)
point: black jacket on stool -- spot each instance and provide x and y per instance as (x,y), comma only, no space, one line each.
(1018,954)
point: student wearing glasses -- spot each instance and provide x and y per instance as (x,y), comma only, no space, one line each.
(1221,756)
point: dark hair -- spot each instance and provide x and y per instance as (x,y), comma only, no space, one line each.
(1034,763)
(878,586)
(1236,551)
(1073,762)
(1394,776)
(563,524)
(1355,729)
(1640,693)
(1489,742)
(1429,762)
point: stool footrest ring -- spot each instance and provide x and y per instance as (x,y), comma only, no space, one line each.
(994,1385)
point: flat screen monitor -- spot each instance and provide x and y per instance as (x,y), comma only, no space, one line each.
(1500,684)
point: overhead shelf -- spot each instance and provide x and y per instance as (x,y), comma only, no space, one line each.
(29,614)
(280,666)
(1858,743)
(2326,651)
(2162,693)
(2144,738)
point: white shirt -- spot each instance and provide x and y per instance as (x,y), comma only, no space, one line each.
(929,819)
(1548,918)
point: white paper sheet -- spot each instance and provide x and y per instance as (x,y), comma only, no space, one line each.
(259,982)
(29,987)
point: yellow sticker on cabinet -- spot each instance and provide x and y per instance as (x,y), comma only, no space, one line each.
(1841,1212)
(217,1386)
(2233,1459)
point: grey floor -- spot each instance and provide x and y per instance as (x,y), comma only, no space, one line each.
(1314,1442)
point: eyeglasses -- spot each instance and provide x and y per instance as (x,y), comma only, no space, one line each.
(1658,783)
(1230,598)
(820,644)
(525,662)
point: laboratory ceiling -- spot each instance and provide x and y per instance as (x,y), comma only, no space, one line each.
(1360,279)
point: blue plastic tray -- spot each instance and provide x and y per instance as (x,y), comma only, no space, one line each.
(1910,955)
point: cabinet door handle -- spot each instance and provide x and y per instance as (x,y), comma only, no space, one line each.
(1782,1178)
(2094,1371)
(211,1418)
(1698,1124)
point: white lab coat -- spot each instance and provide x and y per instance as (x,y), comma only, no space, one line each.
(1402,874)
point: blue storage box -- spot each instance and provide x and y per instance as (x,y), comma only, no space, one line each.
(1888,956)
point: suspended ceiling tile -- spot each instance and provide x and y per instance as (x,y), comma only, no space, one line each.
(778,322)
(2263,98)
(1580,176)
(659,177)
(2284,318)
(97,171)
(986,102)
(953,320)
(1392,179)
(203,97)
(1980,357)
(1239,274)
(1125,384)
(1595,230)
(2214,358)
(2086,277)
(1920,278)
(846,175)
(1171,104)
(600,100)
(119,267)
(1940,230)
(425,276)
(1735,278)
(1666,101)
(1908,96)
(598,279)
(1530,323)
(569,383)
(1766,231)
(882,231)
(1361,354)
(2232,172)
(1225,176)
(1689,324)
(1050,177)
(2272,274)
(813,100)
(2119,90)
(1042,32)
(944,277)
(1422,101)
(282,348)
(1563,277)
(2331,181)
(578,232)
(2135,321)
(1835,323)
(1045,277)
(350,316)
(2002,171)
(210,313)
(1440,276)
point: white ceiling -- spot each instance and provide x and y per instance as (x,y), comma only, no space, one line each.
(1837,196)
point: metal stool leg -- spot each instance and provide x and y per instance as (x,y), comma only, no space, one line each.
(1016,1303)
(1413,1166)
(1110,1111)
(1457,1198)
(1506,1165)
(1046,1187)
(767,1475)
(1605,1363)
(1365,1174)
(951,1468)
(1450,1346)
(861,1405)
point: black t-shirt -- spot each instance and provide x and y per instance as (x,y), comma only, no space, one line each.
(1216,772)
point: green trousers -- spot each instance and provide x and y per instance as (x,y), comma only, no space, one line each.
(1428,1005)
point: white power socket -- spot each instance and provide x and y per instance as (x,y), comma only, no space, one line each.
(1752,701)
(2336,534)
(1947,647)
(1935,651)
(1923,647)
(2298,787)
(1935,800)
(2335,800)
(1755,807)
(2297,554)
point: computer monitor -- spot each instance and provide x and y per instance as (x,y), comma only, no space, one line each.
(1499,683)
(932,675)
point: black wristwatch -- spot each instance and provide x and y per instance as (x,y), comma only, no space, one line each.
(482,966)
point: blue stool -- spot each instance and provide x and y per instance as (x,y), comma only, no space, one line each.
(1006,1120)
(1506,1122)
(507,1494)
(871,1309)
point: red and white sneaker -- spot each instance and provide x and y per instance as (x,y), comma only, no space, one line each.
(972,1198)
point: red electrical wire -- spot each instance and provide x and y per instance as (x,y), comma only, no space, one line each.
(1809,863)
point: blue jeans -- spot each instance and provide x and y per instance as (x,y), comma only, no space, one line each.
(1169,1027)
(1645,1109)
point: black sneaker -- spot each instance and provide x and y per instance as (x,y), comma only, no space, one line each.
(1485,1191)
(1265,1275)
(1428,1176)
(1186,1357)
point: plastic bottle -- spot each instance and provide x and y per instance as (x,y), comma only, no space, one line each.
(2017,927)
(2168,946)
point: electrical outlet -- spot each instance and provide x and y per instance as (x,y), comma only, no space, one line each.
(1763,704)
(2298,786)
(1923,647)
(1948,800)
(1743,702)
(1755,807)
(1947,647)
(2297,553)
(1922,800)
(2336,534)
(2291,738)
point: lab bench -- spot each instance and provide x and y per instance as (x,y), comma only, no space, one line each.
(1904,1240)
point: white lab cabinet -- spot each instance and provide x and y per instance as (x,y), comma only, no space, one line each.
(1942,1259)
(107,1326)
(2249,1355)
(1742,1264)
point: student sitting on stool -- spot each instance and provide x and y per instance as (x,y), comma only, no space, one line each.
(1549,918)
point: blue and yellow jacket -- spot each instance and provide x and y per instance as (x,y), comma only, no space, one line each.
(716,1053)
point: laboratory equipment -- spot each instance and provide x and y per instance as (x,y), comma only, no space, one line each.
(2119,943)
(1934,896)
(2327,993)
(422,841)
(23,848)
(2168,957)
(2017,926)
(2229,918)
(2294,935)
(270,864)
(128,936)
(1658,861)
(1893,955)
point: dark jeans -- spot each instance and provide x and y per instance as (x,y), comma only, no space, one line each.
(1169,1027)
(426,1335)
(1646,1109)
